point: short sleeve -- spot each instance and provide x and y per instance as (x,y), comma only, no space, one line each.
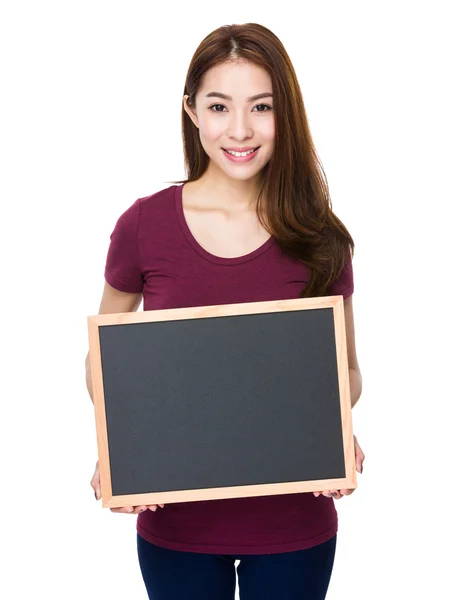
(343,285)
(122,268)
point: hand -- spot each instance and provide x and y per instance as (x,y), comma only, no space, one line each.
(338,494)
(130,510)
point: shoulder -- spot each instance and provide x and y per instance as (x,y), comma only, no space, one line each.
(161,200)
(158,202)
(147,209)
(344,285)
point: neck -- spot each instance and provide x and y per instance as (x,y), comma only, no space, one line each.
(229,194)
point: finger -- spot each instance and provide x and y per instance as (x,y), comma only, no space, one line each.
(328,493)
(359,456)
(359,462)
(153,507)
(123,509)
(95,483)
(346,492)
(97,490)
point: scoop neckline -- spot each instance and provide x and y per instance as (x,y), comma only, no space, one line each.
(221,260)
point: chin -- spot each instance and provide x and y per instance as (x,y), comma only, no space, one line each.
(246,176)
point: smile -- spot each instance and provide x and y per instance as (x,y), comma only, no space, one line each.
(241,156)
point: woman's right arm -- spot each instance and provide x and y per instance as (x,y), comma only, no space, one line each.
(112,301)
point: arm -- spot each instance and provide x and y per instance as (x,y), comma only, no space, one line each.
(353,366)
(355,380)
(112,301)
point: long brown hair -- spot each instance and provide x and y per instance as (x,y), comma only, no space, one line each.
(294,203)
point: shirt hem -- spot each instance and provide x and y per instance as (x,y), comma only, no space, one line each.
(238,548)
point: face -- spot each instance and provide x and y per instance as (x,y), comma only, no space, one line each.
(236,121)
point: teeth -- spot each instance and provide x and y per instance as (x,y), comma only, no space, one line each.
(240,153)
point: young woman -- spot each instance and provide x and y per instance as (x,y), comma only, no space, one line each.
(252,222)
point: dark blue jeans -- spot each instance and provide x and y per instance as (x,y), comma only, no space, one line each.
(176,575)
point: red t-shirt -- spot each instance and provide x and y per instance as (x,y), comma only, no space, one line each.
(153,251)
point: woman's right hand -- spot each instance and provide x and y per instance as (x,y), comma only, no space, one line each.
(130,510)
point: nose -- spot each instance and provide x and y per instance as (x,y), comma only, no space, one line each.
(240,127)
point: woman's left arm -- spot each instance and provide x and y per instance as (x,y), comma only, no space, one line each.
(355,380)
(353,366)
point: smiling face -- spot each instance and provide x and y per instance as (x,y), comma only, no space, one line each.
(234,110)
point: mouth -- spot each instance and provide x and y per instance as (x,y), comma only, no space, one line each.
(246,149)
(241,156)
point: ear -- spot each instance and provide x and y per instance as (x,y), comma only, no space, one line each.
(191,112)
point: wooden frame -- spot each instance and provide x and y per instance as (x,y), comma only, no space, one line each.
(97,321)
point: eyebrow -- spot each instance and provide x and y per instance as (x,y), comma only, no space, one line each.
(251,99)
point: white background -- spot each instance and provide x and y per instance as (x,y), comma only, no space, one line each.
(90,121)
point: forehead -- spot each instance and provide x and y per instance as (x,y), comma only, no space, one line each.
(238,79)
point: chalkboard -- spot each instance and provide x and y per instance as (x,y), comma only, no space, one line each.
(213,402)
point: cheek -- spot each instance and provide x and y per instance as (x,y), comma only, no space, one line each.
(267,131)
(211,130)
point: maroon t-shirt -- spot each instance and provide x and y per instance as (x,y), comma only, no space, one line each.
(153,251)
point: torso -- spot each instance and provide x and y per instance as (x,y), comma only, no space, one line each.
(220,232)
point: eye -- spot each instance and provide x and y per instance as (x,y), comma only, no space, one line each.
(265,105)
(257,106)
(214,105)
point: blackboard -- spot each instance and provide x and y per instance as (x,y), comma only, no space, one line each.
(225,401)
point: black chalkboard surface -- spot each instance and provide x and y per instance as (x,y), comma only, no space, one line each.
(224,401)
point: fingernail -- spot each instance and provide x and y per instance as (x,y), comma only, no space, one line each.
(129,510)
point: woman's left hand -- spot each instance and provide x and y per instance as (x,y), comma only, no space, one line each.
(337,494)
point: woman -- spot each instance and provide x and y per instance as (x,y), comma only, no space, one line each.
(252,222)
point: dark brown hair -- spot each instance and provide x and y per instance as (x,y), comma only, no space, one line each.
(299,213)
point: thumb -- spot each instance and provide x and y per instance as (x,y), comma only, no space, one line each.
(359,465)
(95,482)
(359,456)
